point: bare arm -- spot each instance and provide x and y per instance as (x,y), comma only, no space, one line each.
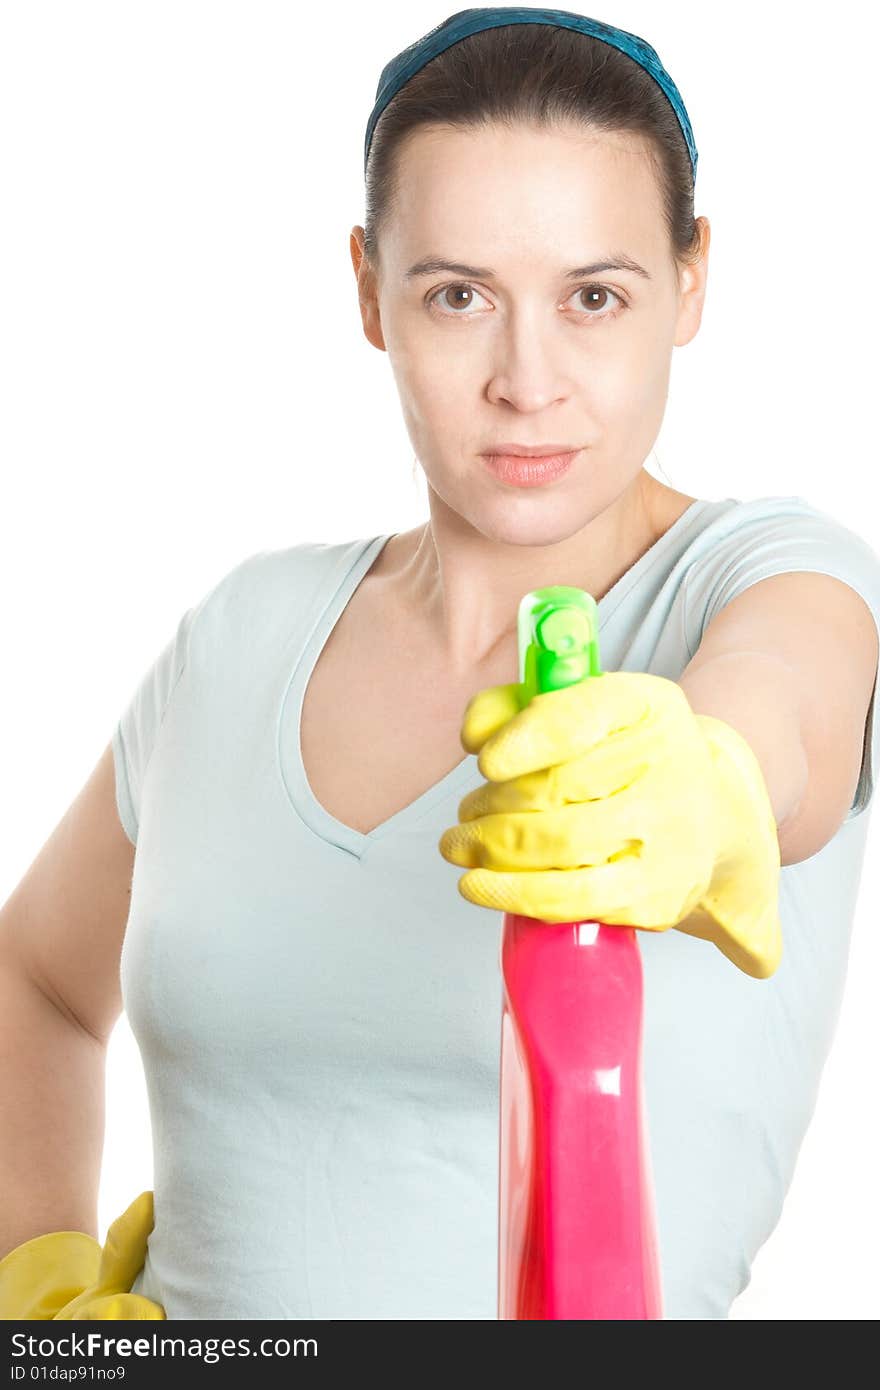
(790,664)
(61,934)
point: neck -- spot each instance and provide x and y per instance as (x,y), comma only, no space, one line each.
(466,587)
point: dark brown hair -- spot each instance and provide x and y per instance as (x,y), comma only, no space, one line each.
(540,75)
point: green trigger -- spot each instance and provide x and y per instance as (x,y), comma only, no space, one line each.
(558,633)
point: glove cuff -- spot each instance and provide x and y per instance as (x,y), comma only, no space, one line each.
(740,908)
(40,1276)
(121,1260)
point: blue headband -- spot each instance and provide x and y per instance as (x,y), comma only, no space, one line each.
(466,22)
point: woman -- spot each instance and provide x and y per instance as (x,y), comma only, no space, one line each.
(317,1008)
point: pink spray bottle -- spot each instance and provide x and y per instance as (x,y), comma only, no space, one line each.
(576,1237)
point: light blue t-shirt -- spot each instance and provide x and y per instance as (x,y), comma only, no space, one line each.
(318,1010)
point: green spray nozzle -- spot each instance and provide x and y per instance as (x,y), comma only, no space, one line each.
(558,634)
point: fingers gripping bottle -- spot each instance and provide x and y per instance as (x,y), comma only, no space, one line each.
(576,1237)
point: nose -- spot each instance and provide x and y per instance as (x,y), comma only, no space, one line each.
(528,371)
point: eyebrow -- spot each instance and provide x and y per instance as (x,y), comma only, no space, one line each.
(433,265)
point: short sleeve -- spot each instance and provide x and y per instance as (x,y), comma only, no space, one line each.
(134,735)
(782,535)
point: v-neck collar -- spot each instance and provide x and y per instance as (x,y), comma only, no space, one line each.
(289,730)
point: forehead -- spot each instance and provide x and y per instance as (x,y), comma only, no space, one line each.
(532,192)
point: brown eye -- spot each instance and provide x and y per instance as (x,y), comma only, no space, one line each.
(454,298)
(598,299)
(461,296)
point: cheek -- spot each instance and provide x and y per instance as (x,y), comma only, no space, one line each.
(434,415)
(435,387)
(627,378)
(631,350)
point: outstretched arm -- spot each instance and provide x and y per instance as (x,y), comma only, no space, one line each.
(790,664)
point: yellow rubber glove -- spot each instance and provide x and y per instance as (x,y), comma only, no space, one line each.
(612,801)
(68,1275)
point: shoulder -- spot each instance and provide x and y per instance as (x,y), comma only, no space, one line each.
(271,569)
(732,525)
(271,588)
(745,542)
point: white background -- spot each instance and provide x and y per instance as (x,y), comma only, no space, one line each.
(185,381)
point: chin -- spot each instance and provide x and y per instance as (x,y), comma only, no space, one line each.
(527,520)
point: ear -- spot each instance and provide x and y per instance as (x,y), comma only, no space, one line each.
(692,288)
(368,290)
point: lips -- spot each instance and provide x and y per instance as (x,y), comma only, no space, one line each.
(520,470)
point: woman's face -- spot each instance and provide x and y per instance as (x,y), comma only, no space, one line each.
(512,346)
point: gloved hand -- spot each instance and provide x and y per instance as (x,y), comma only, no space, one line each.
(68,1275)
(612,801)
